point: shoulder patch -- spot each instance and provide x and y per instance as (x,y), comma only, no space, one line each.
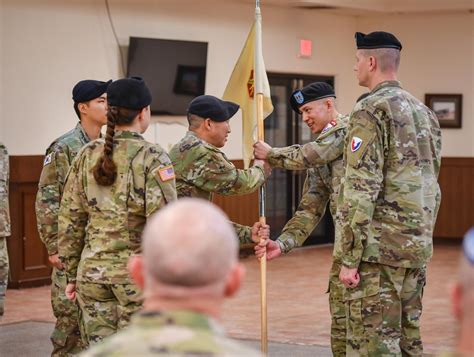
(167,173)
(47,159)
(355,143)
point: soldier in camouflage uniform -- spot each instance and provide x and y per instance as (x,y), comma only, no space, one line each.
(202,168)
(323,159)
(90,106)
(387,207)
(184,292)
(4,223)
(113,186)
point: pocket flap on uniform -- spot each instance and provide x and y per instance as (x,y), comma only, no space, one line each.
(369,283)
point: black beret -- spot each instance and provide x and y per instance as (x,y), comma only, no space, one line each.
(130,93)
(378,39)
(313,91)
(89,89)
(208,106)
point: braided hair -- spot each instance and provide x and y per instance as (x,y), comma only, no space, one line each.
(105,170)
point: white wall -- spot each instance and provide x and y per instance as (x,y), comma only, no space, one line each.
(49,45)
(437,57)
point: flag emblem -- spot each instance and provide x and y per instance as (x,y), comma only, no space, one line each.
(167,173)
(298,97)
(48,159)
(250,85)
(356,143)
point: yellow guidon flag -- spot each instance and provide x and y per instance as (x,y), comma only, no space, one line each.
(247,79)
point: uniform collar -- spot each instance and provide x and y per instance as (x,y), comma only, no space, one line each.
(332,123)
(119,134)
(191,319)
(385,84)
(82,133)
(194,135)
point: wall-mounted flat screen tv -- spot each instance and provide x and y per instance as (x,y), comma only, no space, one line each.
(175,71)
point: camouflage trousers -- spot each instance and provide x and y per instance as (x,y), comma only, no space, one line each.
(384,310)
(106,308)
(3,271)
(66,336)
(337,308)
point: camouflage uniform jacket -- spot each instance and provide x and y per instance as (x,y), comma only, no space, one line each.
(101,226)
(5,229)
(390,196)
(202,169)
(170,333)
(58,158)
(324,149)
(321,185)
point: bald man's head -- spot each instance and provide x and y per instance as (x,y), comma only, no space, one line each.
(189,244)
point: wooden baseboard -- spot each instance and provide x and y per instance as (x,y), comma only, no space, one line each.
(456,214)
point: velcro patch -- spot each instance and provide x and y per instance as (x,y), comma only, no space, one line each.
(48,159)
(167,173)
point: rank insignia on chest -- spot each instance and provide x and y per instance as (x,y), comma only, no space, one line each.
(356,143)
(167,173)
(47,159)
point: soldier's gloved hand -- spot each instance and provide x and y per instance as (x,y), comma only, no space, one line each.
(349,277)
(261,150)
(267,169)
(70,291)
(272,249)
(54,261)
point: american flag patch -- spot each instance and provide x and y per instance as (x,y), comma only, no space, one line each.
(167,173)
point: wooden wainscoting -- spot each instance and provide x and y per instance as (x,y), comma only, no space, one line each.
(456,214)
(28,256)
(29,260)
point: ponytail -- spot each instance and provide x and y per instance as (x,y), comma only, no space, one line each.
(105,170)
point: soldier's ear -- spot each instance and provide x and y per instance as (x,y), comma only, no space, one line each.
(135,267)
(372,63)
(234,280)
(208,124)
(82,107)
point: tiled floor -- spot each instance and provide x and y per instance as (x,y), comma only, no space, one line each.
(297,303)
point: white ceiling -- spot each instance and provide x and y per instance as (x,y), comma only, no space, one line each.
(377,6)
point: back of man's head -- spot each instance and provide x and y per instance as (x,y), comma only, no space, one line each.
(189,246)
(388,59)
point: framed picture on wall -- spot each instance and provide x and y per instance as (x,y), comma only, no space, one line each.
(448,108)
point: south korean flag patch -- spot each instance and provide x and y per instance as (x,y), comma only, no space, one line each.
(47,159)
(356,143)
